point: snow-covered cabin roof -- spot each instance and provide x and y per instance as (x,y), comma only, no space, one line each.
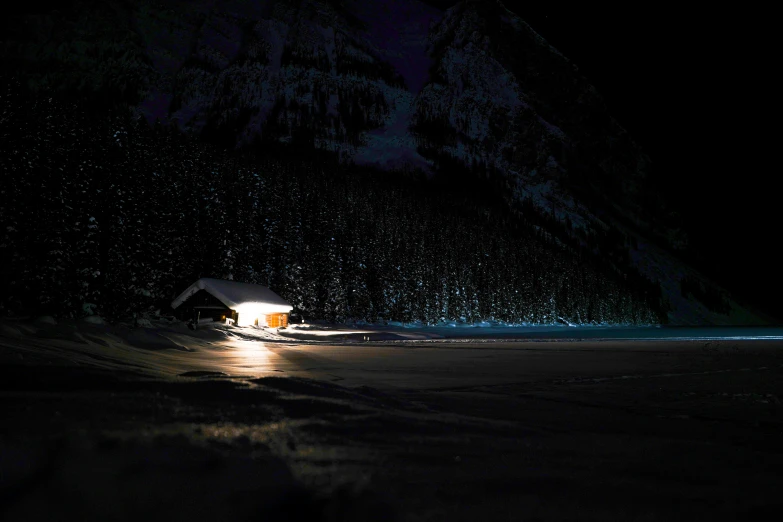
(235,294)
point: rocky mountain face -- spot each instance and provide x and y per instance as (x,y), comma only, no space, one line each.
(504,97)
(390,83)
(313,74)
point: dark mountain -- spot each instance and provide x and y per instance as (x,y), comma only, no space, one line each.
(472,98)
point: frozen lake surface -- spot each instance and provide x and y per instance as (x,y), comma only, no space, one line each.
(575,333)
(325,423)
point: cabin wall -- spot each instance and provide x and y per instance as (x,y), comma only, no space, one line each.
(276,320)
(279,320)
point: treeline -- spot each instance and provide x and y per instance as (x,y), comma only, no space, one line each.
(102,213)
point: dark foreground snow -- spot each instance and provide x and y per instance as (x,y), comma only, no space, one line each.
(117,423)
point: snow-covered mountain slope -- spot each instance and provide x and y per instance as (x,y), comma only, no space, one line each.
(502,98)
(333,75)
(390,83)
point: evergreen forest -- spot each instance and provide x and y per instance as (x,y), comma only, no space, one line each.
(103,213)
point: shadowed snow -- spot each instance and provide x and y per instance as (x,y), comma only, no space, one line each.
(112,422)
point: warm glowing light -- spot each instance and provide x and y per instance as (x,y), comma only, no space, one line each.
(250,314)
(242,358)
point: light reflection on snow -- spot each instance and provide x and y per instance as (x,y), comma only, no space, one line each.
(243,357)
(156,352)
(233,357)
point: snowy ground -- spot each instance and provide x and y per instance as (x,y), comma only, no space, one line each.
(114,422)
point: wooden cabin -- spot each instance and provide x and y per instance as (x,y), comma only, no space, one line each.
(244,304)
